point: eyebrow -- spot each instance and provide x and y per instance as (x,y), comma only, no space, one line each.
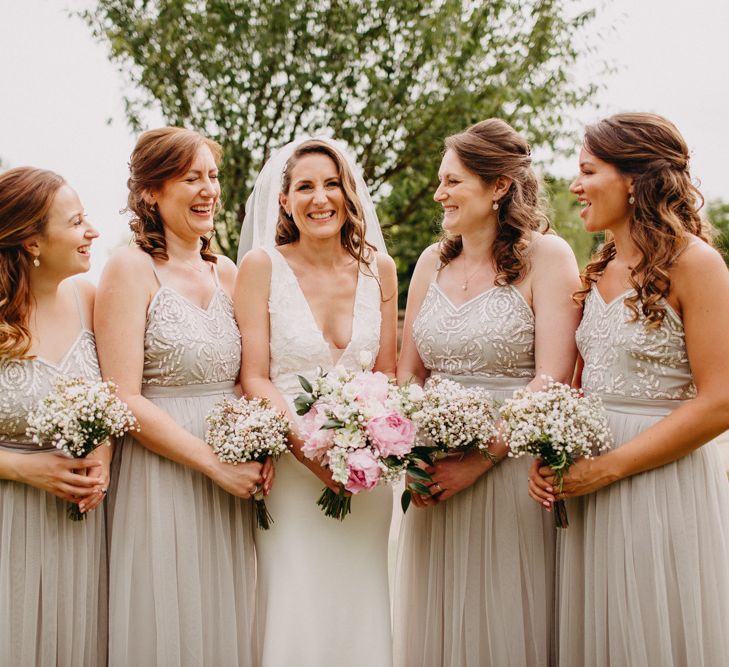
(299,181)
(584,162)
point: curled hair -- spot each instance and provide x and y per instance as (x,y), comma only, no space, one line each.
(159,156)
(650,149)
(353,231)
(490,149)
(26,197)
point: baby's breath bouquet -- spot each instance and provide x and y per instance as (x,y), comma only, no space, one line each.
(248,429)
(558,425)
(451,419)
(77,416)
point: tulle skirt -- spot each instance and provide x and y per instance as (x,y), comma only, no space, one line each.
(52,581)
(644,565)
(475,574)
(182,558)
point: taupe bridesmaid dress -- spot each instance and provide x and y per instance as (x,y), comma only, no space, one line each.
(474,583)
(52,569)
(182,559)
(644,565)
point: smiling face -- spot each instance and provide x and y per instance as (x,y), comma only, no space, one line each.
(603,192)
(467,201)
(187,202)
(315,198)
(65,244)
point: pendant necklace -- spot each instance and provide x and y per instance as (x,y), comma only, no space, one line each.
(466,276)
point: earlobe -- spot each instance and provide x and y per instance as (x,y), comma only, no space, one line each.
(283,201)
(150,198)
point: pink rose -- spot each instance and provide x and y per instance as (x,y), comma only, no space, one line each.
(317,441)
(392,434)
(364,472)
(370,386)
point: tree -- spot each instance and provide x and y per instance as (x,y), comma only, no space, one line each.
(391,78)
(717,212)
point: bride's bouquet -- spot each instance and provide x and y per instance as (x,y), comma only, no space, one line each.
(558,425)
(76,417)
(248,429)
(451,419)
(356,424)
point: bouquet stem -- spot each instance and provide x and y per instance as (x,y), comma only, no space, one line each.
(263,516)
(560,514)
(335,505)
(74,513)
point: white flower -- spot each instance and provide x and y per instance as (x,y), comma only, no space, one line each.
(365,360)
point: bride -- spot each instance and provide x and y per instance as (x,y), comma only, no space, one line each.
(315,292)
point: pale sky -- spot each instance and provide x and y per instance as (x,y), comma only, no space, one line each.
(59,91)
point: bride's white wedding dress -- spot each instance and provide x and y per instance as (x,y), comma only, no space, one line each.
(323,586)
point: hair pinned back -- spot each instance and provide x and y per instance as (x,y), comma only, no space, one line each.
(26,197)
(158,156)
(490,149)
(651,150)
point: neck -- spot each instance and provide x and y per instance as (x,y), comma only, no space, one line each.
(478,245)
(44,287)
(626,252)
(184,249)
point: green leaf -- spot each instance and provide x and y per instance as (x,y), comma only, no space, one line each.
(303,403)
(420,488)
(405,500)
(332,423)
(419,473)
(305,384)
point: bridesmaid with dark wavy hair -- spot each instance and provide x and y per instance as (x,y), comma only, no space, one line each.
(182,558)
(52,569)
(643,572)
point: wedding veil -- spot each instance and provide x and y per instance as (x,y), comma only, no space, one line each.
(261,215)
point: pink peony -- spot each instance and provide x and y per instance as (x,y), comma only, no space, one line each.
(370,386)
(364,472)
(392,434)
(317,441)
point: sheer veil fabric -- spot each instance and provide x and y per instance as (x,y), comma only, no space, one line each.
(259,225)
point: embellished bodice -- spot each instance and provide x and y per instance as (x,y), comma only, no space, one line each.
(296,342)
(624,358)
(25,382)
(490,335)
(185,344)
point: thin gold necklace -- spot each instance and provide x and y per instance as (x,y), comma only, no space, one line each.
(466,276)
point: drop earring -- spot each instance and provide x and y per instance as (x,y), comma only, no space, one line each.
(631,200)
(36,262)
(495,205)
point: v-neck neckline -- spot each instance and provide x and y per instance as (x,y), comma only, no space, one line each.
(59,364)
(459,307)
(318,329)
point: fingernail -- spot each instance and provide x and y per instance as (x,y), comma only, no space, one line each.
(545,503)
(549,489)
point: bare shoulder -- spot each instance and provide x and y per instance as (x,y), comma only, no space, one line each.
(385,264)
(256,259)
(550,248)
(698,264)
(86,290)
(227,271)
(129,261)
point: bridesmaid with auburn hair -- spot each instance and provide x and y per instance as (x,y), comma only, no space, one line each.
(52,569)
(490,306)
(643,570)
(182,557)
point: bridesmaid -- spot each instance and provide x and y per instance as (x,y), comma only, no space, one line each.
(52,569)
(490,305)
(644,578)
(181,556)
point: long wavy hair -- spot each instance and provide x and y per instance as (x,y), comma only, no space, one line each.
(26,198)
(159,156)
(353,231)
(490,149)
(650,149)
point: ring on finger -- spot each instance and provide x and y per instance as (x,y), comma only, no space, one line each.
(436,485)
(256,489)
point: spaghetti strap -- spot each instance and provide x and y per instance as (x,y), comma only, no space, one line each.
(215,274)
(154,270)
(79,307)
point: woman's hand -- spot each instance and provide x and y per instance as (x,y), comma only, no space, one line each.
(539,488)
(583,477)
(101,474)
(242,480)
(268,472)
(324,474)
(455,473)
(56,474)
